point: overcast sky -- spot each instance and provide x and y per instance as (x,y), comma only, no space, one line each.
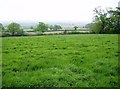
(51,10)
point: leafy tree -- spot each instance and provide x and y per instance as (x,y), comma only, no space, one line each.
(51,27)
(75,27)
(57,27)
(31,27)
(87,25)
(114,20)
(20,32)
(3,31)
(106,21)
(41,27)
(14,28)
(1,27)
(100,19)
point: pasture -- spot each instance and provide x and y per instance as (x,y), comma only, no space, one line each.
(84,60)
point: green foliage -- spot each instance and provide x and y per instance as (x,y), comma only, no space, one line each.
(51,27)
(2,30)
(114,20)
(31,27)
(41,27)
(55,27)
(96,27)
(14,29)
(1,27)
(106,21)
(88,25)
(20,32)
(75,27)
(60,61)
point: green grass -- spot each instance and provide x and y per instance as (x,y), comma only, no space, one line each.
(85,60)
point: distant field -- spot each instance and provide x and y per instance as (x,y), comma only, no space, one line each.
(60,31)
(84,60)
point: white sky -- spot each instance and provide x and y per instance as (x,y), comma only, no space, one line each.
(51,10)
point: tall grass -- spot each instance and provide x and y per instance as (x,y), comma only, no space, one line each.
(85,60)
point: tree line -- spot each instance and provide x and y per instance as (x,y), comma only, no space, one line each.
(14,29)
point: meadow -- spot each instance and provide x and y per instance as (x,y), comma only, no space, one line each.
(84,60)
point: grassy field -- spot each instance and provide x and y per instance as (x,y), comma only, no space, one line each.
(85,60)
